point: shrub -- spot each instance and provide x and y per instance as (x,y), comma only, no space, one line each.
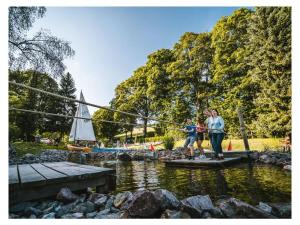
(169,142)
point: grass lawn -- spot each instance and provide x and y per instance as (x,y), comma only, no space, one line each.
(23,148)
(258,144)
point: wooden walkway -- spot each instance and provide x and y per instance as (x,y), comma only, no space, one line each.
(40,180)
(202,162)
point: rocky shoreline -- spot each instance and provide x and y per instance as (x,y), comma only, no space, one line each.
(281,159)
(160,203)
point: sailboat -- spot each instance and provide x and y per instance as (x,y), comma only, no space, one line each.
(82,129)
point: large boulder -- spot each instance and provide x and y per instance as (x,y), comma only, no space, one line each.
(143,204)
(197,205)
(66,195)
(234,208)
(167,199)
(122,198)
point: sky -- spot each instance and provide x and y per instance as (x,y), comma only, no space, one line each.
(111,42)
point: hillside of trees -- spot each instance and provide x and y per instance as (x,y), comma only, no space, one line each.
(244,62)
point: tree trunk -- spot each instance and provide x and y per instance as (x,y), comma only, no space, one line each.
(145,128)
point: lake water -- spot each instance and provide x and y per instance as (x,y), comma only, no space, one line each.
(249,183)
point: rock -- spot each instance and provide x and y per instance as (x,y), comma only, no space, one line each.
(77,215)
(109,216)
(234,208)
(85,207)
(29,156)
(114,210)
(101,201)
(91,214)
(143,204)
(66,195)
(174,214)
(49,216)
(32,216)
(124,157)
(95,196)
(121,198)
(216,212)
(101,213)
(124,215)
(32,211)
(65,209)
(196,205)
(13,216)
(51,207)
(21,207)
(287,167)
(265,207)
(167,199)
(281,210)
(206,215)
(109,202)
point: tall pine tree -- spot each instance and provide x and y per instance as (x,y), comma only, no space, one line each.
(270,61)
(67,89)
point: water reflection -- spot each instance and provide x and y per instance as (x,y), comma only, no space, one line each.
(250,183)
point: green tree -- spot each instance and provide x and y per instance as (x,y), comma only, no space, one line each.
(29,123)
(104,129)
(67,88)
(270,61)
(191,73)
(232,83)
(41,52)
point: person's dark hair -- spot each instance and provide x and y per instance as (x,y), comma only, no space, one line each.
(216,111)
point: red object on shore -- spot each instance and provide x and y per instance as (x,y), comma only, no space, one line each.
(229,148)
(151,147)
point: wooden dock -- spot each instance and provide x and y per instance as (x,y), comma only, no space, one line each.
(40,180)
(202,162)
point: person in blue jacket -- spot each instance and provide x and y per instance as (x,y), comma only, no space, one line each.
(190,129)
(216,128)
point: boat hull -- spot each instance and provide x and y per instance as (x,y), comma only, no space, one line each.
(76,148)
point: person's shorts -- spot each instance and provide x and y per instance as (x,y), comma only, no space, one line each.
(189,141)
(200,136)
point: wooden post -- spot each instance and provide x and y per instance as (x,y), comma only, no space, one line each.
(243,129)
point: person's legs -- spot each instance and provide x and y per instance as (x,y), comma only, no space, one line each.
(220,137)
(185,146)
(191,146)
(214,144)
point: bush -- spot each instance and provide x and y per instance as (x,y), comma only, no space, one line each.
(169,142)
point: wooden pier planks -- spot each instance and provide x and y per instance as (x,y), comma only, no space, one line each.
(38,180)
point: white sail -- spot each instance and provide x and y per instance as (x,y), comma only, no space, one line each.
(82,129)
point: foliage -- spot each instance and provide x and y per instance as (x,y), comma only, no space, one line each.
(23,148)
(28,124)
(104,129)
(169,142)
(270,61)
(42,52)
(67,89)
(244,62)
